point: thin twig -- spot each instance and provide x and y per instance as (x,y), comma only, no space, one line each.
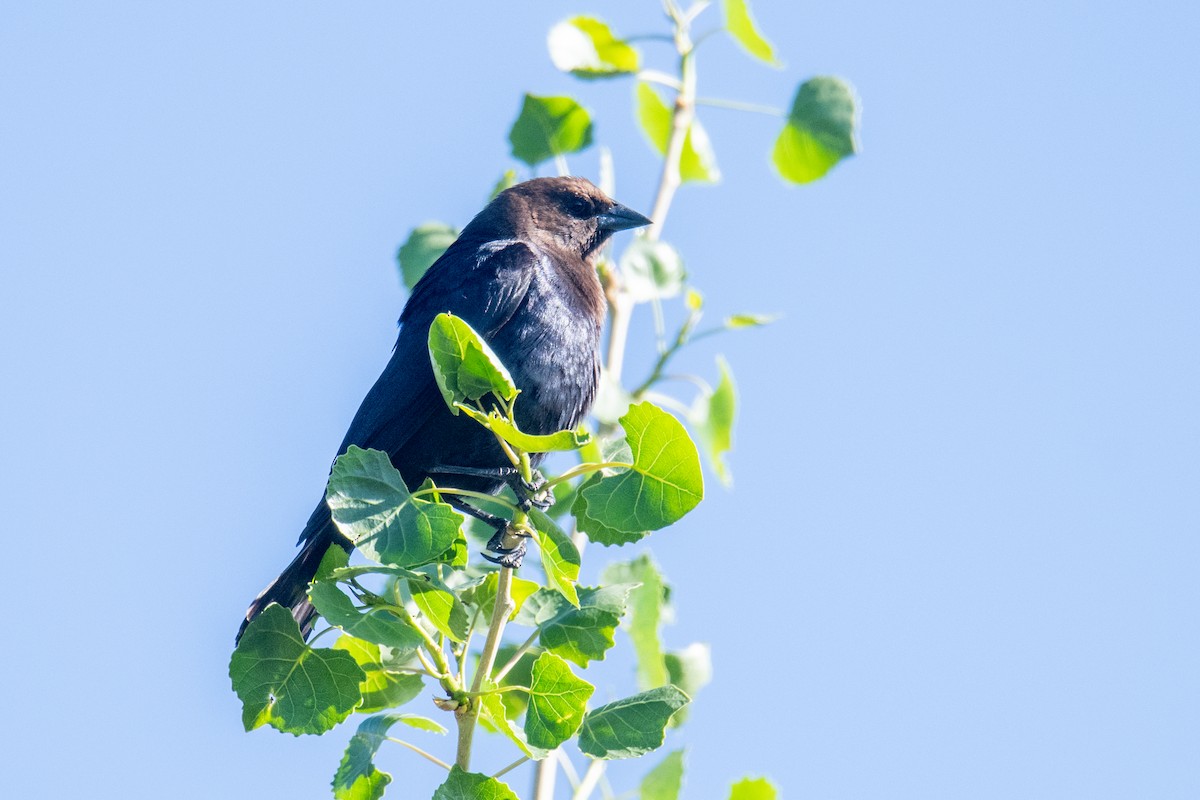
(512,766)
(590,779)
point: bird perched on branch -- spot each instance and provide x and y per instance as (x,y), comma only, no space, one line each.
(523,275)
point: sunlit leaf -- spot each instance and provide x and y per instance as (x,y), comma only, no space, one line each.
(557,701)
(739,321)
(529,442)
(560,556)
(506,181)
(372,507)
(742,28)
(549,126)
(381,688)
(483,595)
(464,365)
(663,483)
(713,416)
(645,605)
(698,161)
(665,780)
(691,670)
(357,777)
(494,713)
(630,727)
(821,130)
(752,789)
(587,48)
(285,683)
(596,531)
(582,634)
(376,625)
(424,245)
(462,785)
(440,606)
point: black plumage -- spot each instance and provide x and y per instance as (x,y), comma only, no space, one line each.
(523,275)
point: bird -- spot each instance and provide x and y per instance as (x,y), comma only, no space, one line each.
(523,275)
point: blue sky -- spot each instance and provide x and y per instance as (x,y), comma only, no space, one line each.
(961,556)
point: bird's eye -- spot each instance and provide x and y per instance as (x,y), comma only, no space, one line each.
(579,206)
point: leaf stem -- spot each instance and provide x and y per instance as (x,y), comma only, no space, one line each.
(487,658)
(737,105)
(512,766)
(512,662)
(584,469)
(466,493)
(420,752)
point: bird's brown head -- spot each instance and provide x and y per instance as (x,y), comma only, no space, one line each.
(567,213)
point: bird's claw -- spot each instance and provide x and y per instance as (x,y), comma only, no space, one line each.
(533,493)
(510,557)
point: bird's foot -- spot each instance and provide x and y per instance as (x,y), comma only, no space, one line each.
(508,545)
(533,493)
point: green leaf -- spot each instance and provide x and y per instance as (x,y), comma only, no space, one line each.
(596,531)
(560,556)
(752,789)
(645,605)
(630,727)
(521,674)
(745,32)
(494,712)
(548,127)
(483,596)
(580,635)
(697,162)
(462,785)
(652,270)
(376,625)
(691,670)
(424,245)
(557,702)
(381,688)
(664,481)
(464,365)
(357,778)
(507,181)
(587,48)
(821,130)
(373,508)
(284,683)
(665,780)
(440,606)
(739,321)
(713,415)
(529,442)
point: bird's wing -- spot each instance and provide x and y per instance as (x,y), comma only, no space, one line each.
(483,285)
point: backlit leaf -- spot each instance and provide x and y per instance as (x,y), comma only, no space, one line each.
(560,556)
(663,483)
(464,365)
(821,130)
(557,701)
(587,48)
(376,625)
(547,127)
(665,780)
(424,245)
(742,28)
(582,634)
(381,688)
(652,270)
(698,161)
(645,605)
(713,416)
(752,789)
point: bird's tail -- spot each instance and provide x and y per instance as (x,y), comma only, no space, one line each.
(290,589)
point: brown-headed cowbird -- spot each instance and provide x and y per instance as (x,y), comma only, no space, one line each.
(523,275)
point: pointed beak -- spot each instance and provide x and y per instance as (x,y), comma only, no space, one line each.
(620,218)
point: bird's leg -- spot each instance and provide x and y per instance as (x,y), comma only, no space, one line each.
(508,542)
(530,494)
